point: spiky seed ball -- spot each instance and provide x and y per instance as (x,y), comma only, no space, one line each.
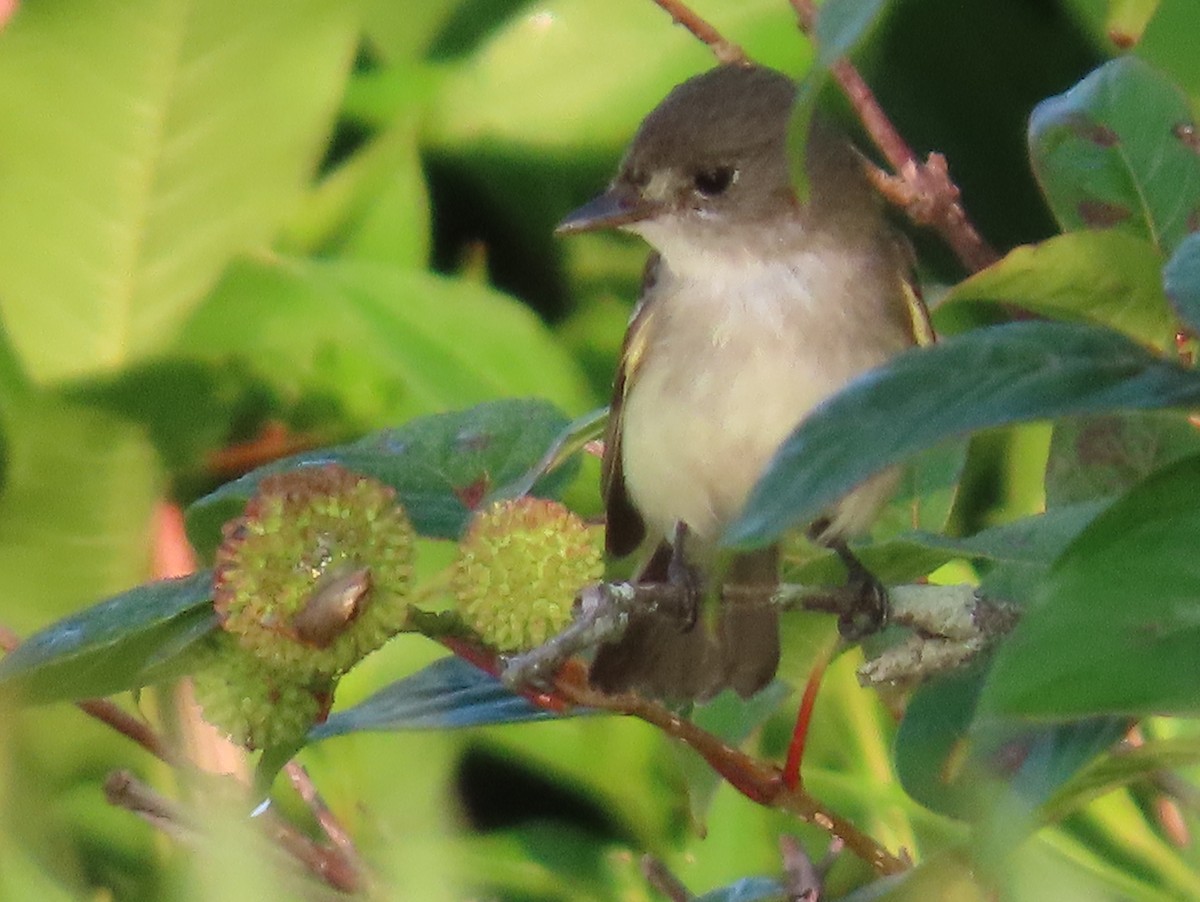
(519,568)
(254,704)
(313,576)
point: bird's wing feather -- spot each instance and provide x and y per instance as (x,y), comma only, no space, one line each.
(626,529)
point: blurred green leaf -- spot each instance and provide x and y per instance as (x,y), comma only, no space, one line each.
(990,377)
(448,694)
(442,466)
(931,748)
(1111,278)
(1127,19)
(373,206)
(926,494)
(1122,767)
(384,343)
(185,406)
(1037,761)
(144,145)
(1181,281)
(404,31)
(1114,629)
(1110,153)
(1105,455)
(1167,41)
(572,73)
(122,643)
(79,489)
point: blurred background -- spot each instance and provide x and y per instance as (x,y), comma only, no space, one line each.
(233,230)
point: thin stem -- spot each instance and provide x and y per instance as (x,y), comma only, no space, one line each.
(924,190)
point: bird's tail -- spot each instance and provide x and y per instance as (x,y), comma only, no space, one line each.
(679,659)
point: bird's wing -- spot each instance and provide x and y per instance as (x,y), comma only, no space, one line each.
(625,527)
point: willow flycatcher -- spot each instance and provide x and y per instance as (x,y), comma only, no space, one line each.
(756,307)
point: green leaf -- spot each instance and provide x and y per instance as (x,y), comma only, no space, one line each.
(373,206)
(1181,281)
(926,494)
(990,377)
(185,406)
(442,466)
(384,343)
(448,694)
(1110,153)
(1127,19)
(539,82)
(143,146)
(1122,768)
(930,747)
(1111,278)
(1168,41)
(79,491)
(1114,629)
(123,643)
(1105,455)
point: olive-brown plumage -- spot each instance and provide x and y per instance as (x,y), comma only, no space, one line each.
(755,308)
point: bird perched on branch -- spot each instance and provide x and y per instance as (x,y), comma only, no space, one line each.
(756,306)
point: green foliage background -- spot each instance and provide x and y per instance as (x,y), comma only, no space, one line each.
(338,215)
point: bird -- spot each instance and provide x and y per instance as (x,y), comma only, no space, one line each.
(757,305)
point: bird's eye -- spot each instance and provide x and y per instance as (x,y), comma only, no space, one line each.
(711,182)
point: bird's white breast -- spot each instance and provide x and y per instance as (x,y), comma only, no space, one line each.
(736,356)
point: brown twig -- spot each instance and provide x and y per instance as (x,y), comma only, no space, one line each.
(924,191)
(659,876)
(338,864)
(330,825)
(124,790)
(758,781)
(724,50)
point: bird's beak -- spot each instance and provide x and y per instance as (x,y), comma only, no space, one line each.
(616,207)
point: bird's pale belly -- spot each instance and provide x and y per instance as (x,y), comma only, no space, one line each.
(694,444)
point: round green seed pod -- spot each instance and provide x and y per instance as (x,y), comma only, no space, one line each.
(253,703)
(314,575)
(519,568)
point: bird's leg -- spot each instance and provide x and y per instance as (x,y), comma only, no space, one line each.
(684,577)
(868,613)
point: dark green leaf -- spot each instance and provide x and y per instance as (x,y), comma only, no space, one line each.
(1045,758)
(1111,153)
(123,643)
(1116,626)
(1181,280)
(1122,767)
(442,466)
(1105,455)
(926,494)
(930,747)
(448,694)
(1111,278)
(990,377)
